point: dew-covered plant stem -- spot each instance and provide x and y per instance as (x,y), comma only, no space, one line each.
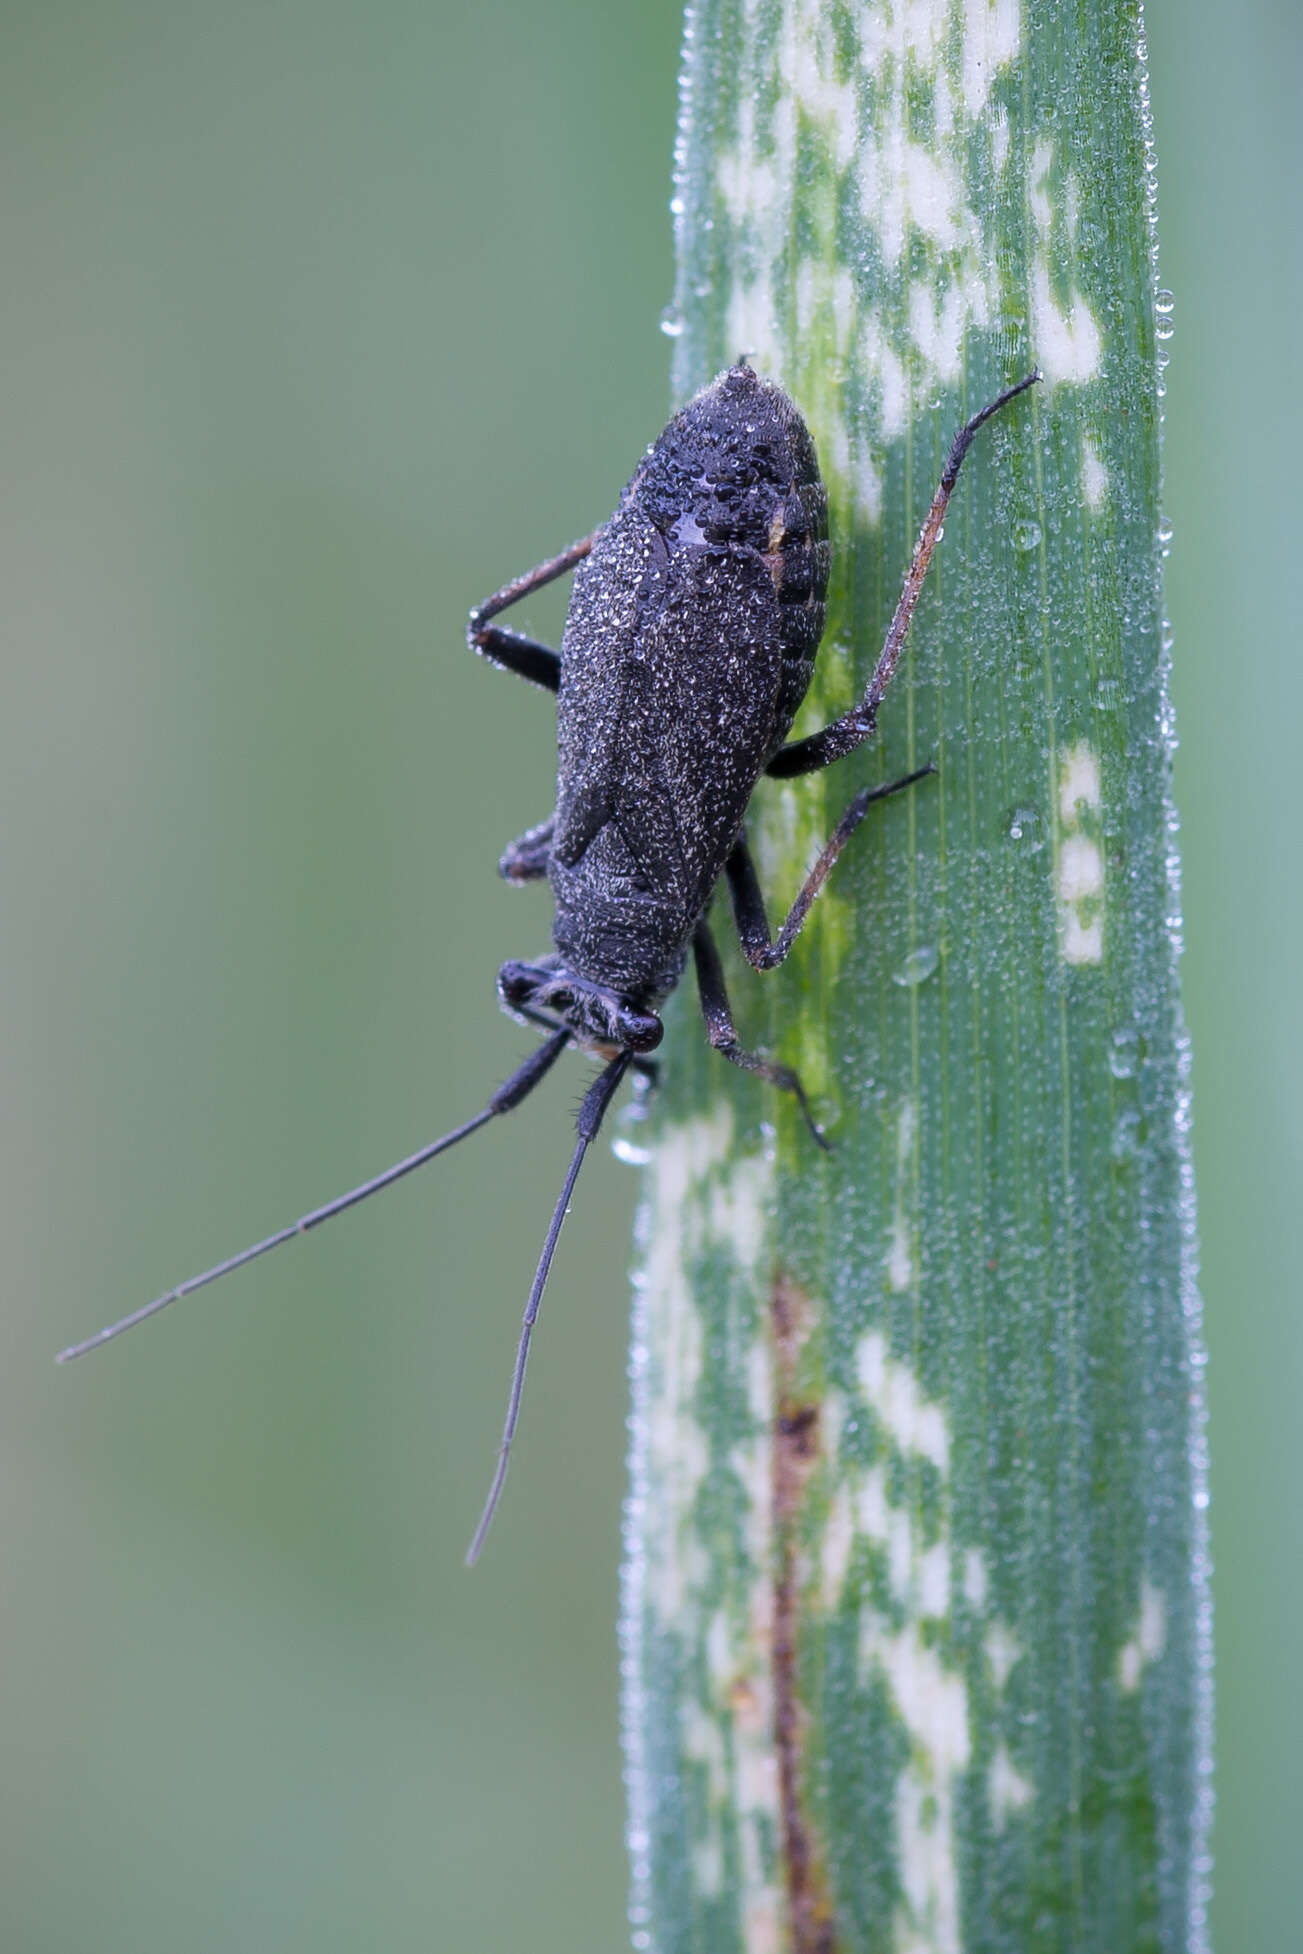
(916,1603)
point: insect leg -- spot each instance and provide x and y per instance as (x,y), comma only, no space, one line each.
(515,653)
(719,1025)
(526,858)
(596,1100)
(744,887)
(855,726)
(509,1094)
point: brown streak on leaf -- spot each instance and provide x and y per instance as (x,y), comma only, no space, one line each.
(797,1442)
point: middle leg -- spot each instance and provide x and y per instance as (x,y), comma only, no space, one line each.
(526,858)
(722,1035)
(760,951)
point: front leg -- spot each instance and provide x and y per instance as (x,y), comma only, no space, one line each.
(719,1027)
(855,726)
(744,886)
(526,858)
(509,649)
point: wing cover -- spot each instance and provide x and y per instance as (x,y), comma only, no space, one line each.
(688,646)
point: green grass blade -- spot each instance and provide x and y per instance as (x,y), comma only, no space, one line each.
(916,1606)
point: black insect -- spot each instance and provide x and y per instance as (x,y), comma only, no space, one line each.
(689,644)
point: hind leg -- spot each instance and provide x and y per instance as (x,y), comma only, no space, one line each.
(855,726)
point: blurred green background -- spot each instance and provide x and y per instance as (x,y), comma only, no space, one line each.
(318,322)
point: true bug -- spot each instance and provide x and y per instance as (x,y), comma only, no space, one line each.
(689,643)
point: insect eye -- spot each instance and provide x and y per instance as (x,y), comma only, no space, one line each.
(517,983)
(640,1031)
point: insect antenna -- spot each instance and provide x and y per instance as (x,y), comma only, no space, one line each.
(596,1101)
(509,1094)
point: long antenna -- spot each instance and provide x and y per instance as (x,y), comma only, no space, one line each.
(596,1101)
(509,1094)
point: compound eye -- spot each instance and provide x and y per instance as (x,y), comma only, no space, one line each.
(640,1031)
(517,983)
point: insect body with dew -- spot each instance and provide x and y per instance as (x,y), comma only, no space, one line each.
(689,644)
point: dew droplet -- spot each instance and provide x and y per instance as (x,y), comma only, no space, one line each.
(627,1151)
(1026,536)
(1124,1053)
(672,322)
(1025,824)
(677,206)
(1164,323)
(918,966)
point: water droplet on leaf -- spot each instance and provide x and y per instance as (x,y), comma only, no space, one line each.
(918,966)
(1164,307)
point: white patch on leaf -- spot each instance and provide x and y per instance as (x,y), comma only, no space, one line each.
(1094,475)
(1065,335)
(912,194)
(928,1691)
(1081,869)
(1082,942)
(992,37)
(933,1581)
(1067,341)
(1007,1790)
(932,1702)
(1003,1651)
(891,1390)
(1149,1639)
(939,333)
(1078,861)
(727,1720)
(1078,782)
